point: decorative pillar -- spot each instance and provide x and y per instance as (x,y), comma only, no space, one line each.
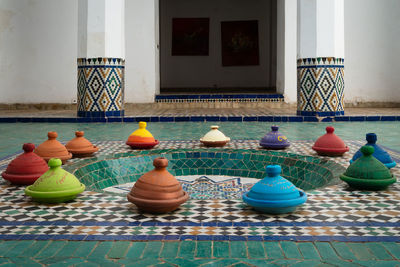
(101,58)
(320,57)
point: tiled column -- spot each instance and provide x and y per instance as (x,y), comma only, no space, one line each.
(101,58)
(320,58)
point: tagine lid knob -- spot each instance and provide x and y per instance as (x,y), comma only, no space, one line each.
(52,135)
(54,163)
(28,147)
(160,163)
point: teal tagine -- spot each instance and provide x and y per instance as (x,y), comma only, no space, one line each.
(274,194)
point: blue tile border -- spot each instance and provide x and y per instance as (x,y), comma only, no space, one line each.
(218,96)
(320,113)
(244,118)
(202,238)
(202,224)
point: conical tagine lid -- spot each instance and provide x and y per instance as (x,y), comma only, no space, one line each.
(274,139)
(379,153)
(157,191)
(214,137)
(141,138)
(52,148)
(80,146)
(368,172)
(25,168)
(330,144)
(274,194)
(55,185)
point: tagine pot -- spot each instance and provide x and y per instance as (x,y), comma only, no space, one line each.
(52,148)
(26,168)
(274,194)
(157,191)
(81,147)
(141,138)
(55,186)
(330,144)
(367,172)
(274,139)
(379,153)
(214,138)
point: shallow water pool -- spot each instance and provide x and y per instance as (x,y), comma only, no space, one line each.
(13,135)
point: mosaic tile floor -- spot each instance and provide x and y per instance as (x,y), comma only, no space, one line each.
(334,213)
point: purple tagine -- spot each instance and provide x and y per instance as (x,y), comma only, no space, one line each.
(274,139)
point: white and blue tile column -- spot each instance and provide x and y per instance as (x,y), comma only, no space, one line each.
(320,58)
(101,58)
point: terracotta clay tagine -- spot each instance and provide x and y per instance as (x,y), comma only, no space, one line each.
(80,146)
(214,138)
(157,191)
(379,153)
(274,194)
(330,144)
(367,172)
(51,148)
(274,139)
(141,138)
(26,168)
(55,186)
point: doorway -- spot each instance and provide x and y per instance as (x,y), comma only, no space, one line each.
(217,46)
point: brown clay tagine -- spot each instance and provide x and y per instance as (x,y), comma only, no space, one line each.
(81,147)
(157,191)
(52,148)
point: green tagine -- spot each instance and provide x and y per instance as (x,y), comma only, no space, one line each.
(55,186)
(367,172)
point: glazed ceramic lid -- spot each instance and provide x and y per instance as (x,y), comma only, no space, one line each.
(25,168)
(273,187)
(214,135)
(158,183)
(55,183)
(330,142)
(52,148)
(379,152)
(274,139)
(80,144)
(157,191)
(368,167)
(141,135)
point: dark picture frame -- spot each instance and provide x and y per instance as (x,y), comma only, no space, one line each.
(239,43)
(190,36)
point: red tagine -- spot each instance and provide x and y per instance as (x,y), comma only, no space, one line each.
(80,146)
(53,149)
(26,168)
(330,144)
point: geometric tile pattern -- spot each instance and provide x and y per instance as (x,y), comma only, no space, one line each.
(333,213)
(100,84)
(320,86)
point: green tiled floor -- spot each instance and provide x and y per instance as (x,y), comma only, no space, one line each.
(15,134)
(197,253)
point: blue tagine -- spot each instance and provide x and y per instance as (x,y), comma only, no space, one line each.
(274,194)
(379,153)
(274,139)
